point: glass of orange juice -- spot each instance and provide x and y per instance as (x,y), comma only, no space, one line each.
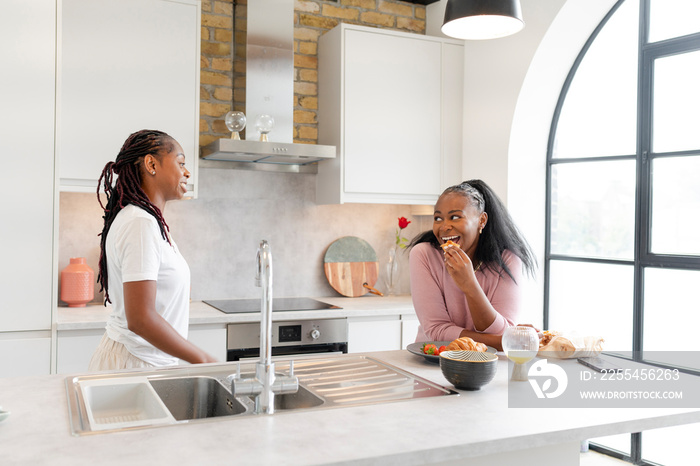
(520,344)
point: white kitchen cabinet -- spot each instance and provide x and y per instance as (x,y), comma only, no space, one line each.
(123,66)
(392,104)
(211,338)
(25,353)
(409,329)
(375,333)
(27,82)
(75,348)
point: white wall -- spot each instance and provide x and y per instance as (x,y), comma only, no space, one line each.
(494,73)
(511,88)
(532,119)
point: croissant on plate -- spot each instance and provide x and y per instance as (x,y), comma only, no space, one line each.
(466,343)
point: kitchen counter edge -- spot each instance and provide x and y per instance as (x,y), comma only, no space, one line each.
(94,316)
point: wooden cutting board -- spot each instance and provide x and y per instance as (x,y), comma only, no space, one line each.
(349,263)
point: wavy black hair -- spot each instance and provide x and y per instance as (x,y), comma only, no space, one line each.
(500,232)
(127,188)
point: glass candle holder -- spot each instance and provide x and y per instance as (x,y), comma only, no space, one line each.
(235,122)
(264,124)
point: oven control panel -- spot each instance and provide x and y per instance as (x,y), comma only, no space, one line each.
(289,333)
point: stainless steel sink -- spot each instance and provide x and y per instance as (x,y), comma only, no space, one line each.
(200,397)
(201,393)
(196,398)
(302,399)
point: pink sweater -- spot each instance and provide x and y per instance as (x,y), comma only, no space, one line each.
(442,307)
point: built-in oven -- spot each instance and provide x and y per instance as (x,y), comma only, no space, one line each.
(289,338)
(322,336)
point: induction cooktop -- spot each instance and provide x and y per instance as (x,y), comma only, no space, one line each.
(235,306)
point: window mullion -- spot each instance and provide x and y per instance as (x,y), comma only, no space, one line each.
(643,194)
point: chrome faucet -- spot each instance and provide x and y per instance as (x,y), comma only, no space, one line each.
(266,383)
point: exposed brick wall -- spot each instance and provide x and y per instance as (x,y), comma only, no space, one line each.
(219,60)
(223,54)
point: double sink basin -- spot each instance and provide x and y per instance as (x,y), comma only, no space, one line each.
(200,393)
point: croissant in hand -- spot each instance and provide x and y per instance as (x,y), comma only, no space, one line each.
(466,343)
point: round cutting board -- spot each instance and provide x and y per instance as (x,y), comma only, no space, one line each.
(349,263)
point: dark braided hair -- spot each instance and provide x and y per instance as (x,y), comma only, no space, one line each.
(127,188)
(500,232)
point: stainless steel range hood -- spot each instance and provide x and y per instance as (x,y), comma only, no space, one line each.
(269,90)
(266,152)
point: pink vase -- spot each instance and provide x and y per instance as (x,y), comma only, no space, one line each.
(77,283)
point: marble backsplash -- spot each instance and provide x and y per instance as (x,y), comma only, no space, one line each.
(219,232)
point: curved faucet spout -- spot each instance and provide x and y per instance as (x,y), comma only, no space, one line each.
(265,384)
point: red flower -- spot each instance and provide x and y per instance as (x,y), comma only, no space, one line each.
(400,241)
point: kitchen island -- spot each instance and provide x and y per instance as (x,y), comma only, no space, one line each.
(440,430)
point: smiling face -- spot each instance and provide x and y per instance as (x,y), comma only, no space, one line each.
(166,178)
(174,174)
(456,219)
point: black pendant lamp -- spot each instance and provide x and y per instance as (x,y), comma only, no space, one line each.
(482,19)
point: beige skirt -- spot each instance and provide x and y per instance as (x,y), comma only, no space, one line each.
(111,355)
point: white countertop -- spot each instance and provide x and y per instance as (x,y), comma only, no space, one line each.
(95,316)
(418,431)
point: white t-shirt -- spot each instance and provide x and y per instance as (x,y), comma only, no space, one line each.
(136,251)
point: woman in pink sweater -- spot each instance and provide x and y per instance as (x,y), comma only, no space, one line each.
(471,288)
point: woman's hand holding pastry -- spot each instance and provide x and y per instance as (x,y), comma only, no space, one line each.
(458,265)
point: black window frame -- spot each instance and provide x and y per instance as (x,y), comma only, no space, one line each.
(644,156)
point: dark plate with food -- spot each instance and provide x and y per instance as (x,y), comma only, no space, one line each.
(417,349)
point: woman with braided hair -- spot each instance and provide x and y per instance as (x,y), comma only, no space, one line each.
(141,270)
(465,273)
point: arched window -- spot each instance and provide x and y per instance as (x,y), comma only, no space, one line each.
(622,253)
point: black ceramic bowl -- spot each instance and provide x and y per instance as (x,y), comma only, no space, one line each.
(468,370)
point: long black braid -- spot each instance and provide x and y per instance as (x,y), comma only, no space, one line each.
(500,232)
(127,188)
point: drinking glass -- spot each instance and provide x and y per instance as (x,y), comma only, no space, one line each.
(520,344)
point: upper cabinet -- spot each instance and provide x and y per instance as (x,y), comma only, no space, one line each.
(27,84)
(392,104)
(123,66)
